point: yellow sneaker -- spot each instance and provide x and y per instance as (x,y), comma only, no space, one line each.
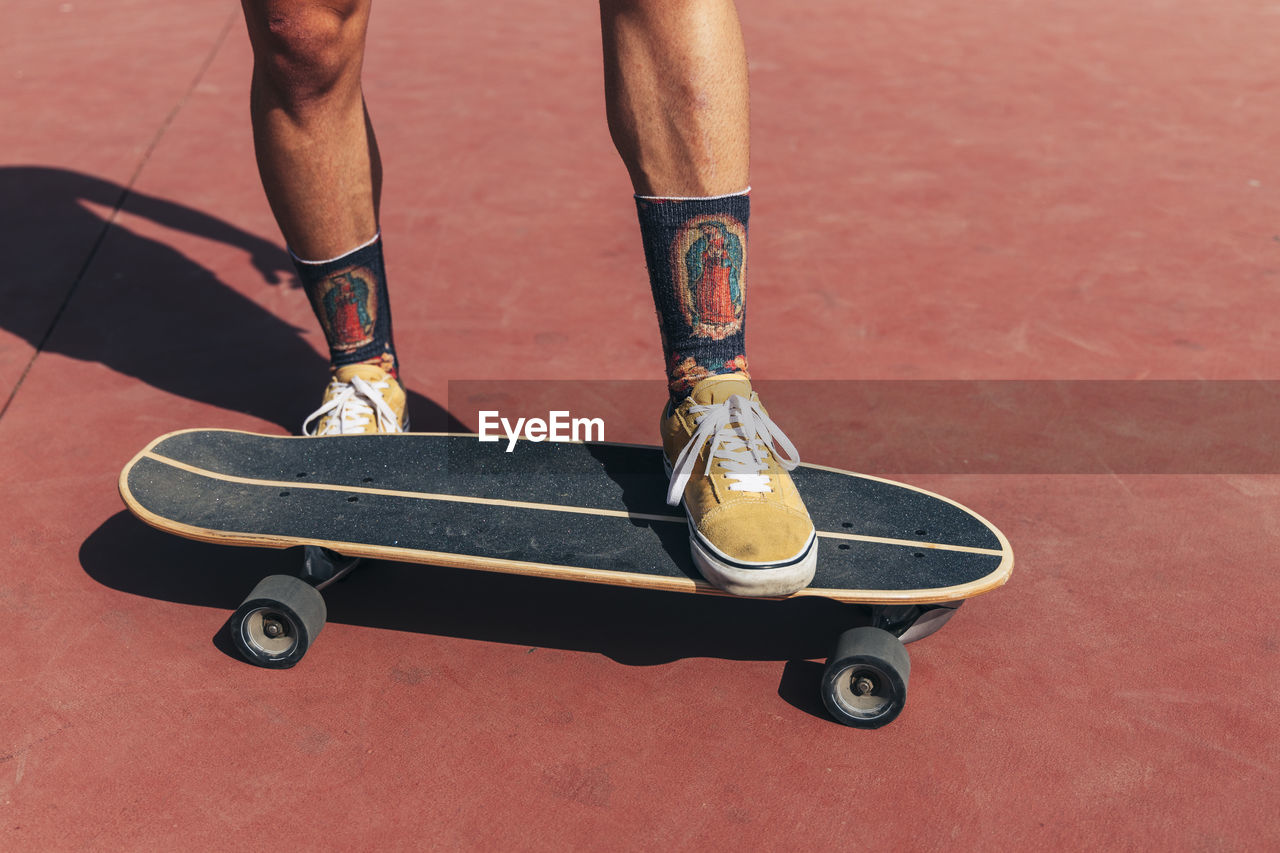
(361,398)
(748,529)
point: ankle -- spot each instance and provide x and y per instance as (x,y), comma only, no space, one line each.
(696,251)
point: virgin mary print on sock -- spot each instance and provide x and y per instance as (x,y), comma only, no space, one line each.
(709,265)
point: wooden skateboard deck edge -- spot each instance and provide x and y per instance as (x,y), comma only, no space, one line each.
(934,595)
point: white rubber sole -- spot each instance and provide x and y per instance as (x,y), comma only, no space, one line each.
(753,580)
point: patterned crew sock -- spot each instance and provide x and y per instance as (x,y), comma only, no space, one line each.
(696,250)
(349,296)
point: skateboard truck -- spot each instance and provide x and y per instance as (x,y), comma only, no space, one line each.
(321,566)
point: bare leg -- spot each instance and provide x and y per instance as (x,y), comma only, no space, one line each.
(677,94)
(316,151)
(320,168)
(676,88)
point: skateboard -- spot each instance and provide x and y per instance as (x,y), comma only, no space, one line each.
(593,512)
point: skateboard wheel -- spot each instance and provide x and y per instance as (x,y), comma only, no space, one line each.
(278,621)
(865,682)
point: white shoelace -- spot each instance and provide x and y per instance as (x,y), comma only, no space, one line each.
(351,408)
(742,437)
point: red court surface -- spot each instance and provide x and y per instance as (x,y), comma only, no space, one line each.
(944,190)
